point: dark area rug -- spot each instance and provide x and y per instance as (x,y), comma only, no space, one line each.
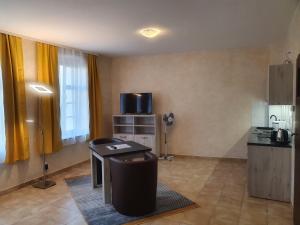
(95,212)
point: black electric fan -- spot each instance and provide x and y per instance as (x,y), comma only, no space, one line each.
(168,121)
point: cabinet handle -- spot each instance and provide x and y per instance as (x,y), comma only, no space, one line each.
(122,136)
(145,137)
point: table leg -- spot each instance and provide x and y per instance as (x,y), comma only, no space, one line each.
(106,184)
(93,169)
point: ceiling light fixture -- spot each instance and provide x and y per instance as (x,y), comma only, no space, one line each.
(150,32)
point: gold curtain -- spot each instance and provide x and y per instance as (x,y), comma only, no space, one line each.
(95,100)
(48,106)
(16,131)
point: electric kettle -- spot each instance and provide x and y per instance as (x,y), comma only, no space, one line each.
(282,136)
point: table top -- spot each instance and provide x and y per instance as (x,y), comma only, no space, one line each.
(103,151)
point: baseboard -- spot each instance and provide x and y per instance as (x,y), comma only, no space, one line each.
(206,157)
(17,187)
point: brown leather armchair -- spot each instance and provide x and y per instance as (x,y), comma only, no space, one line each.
(134,184)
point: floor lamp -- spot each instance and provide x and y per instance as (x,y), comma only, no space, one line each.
(42,90)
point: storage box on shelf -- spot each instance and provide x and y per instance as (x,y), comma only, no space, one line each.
(143,129)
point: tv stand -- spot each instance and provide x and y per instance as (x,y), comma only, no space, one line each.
(141,128)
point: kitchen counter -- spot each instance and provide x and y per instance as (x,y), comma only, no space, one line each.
(262,138)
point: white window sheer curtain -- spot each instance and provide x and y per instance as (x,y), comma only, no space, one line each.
(74,101)
(2,123)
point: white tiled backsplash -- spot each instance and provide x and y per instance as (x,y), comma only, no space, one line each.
(283,113)
(261,113)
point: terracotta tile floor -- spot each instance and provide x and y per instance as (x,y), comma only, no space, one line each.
(218,186)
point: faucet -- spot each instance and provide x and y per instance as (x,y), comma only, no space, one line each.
(274,117)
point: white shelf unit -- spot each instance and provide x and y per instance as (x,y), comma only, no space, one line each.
(143,129)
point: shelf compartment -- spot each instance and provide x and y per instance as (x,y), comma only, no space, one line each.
(144,120)
(123,120)
(123,129)
(144,130)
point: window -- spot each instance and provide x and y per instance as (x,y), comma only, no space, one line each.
(2,123)
(74,102)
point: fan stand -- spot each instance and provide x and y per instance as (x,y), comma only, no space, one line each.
(166,156)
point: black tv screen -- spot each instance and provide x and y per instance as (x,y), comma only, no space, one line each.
(139,103)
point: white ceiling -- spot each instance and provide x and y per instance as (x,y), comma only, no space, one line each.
(109,26)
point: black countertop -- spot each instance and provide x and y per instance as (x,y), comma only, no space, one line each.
(262,138)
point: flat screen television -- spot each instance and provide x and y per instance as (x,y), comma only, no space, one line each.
(136,103)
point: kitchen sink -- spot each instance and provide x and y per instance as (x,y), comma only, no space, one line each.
(264,128)
(263,136)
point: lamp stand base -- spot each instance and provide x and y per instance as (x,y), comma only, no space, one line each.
(44,184)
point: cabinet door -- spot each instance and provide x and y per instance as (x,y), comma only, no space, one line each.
(124,137)
(259,176)
(281,84)
(139,139)
(147,140)
(269,172)
(144,140)
(281,174)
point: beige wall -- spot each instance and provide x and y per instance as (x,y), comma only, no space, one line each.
(290,43)
(210,92)
(20,172)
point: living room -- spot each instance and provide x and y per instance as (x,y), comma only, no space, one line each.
(207,68)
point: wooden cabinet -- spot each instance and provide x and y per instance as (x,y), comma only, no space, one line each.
(269,172)
(143,129)
(281,84)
